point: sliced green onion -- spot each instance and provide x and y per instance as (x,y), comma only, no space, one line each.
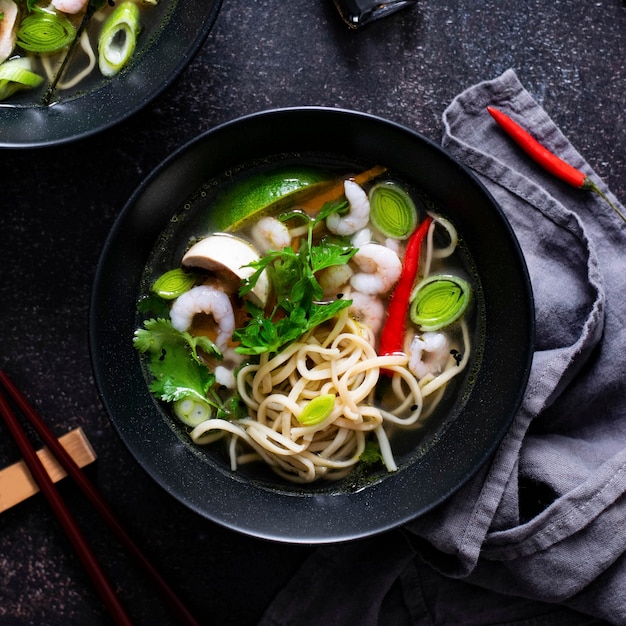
(438,301)
(43,32)
(317,410)
(16,74)
(191,411)
(118,38)
(392,211)
(173,283)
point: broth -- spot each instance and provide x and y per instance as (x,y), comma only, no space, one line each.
(76,80)
(200,217)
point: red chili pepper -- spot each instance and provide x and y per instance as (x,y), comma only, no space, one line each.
(548,160)
(392,336)
(537,152)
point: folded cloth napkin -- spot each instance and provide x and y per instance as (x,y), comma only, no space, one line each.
(540,532)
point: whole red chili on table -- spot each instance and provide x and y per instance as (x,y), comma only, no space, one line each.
(392,336)
(548,160)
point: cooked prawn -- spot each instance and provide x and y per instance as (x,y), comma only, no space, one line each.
(225,376)
(69,6)
(361,237)
(380,269)
(367,309)
(205,299)
(357,217)
(271,234)
(428,354)
(334,280)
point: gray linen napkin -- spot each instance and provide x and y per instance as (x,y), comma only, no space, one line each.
(545,521)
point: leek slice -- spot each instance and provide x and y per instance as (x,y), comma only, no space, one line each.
(118,38)
(43,32)
(16,74)
(438,301)
(392,211)
(317,410)
(173,283)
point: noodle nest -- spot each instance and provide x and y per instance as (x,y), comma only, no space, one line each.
(337,359)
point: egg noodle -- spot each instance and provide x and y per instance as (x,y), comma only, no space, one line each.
(335,358)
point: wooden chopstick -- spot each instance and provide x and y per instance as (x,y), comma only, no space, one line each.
(17,483)
(183,614)
(87,557)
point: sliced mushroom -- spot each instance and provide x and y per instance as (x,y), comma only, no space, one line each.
(8,28)
(228,256)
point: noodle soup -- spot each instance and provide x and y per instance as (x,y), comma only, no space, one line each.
(54,72)
(310,322)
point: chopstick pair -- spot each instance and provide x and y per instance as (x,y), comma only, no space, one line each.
(63,514)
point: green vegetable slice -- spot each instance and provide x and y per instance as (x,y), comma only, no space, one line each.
(16,74)
(438,301)
(118,38)
(317,410)
(191,411)
(44,32)
(392,211)
(267,193)
(173,283)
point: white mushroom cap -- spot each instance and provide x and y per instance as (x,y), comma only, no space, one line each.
(230,257)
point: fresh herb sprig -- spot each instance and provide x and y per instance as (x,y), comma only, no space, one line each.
(178,370)
(299,297)
(175,362)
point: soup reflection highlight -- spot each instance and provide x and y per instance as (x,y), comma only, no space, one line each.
(325,319)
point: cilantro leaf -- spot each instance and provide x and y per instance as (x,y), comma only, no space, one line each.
(153,305)
(371,454)
(175,364)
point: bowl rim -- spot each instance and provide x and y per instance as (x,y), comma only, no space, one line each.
(118,98)
(240,504)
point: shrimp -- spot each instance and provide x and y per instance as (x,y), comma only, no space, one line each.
(361,237)
(8,28)
(380,269)
(334,280)
(271,234)
(225,376)
(357,217)
(428,354)
(205,299)
(367,309)
(69,6)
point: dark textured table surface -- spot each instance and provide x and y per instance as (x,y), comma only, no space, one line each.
(58,204)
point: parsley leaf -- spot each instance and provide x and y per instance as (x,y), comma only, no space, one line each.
(329,253)
(298,294)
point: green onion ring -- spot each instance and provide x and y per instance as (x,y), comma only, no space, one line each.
(438,301)
(118,38)
(44,32)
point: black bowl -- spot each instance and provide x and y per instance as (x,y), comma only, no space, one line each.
(157,61)
(454,446)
